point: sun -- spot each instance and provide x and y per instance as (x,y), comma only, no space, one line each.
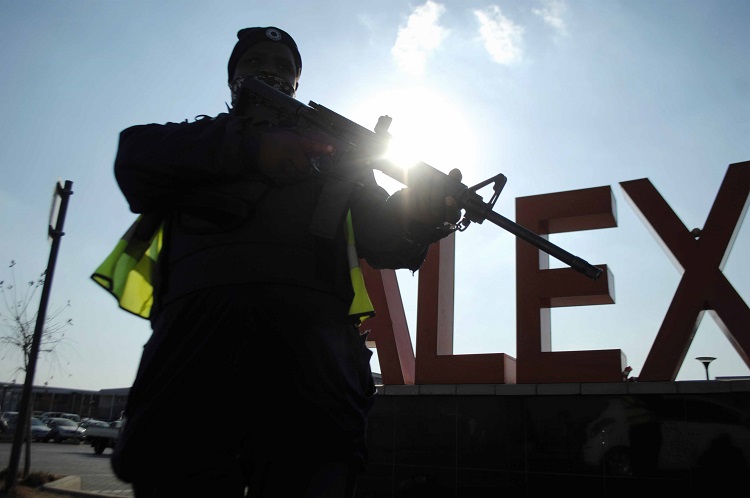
(426,126)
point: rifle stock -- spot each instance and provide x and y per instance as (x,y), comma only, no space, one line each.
(356,145)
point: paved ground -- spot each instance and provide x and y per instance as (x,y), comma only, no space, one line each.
(71,459)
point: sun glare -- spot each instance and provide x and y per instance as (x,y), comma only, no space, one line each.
(426,127)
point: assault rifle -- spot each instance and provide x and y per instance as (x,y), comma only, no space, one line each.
(356,145)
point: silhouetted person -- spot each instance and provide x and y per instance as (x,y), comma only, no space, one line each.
(251,310)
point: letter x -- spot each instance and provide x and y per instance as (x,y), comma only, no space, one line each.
(703,286)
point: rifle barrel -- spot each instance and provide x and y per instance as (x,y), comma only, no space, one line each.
(545,245)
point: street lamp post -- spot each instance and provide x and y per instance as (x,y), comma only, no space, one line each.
(706,360)
(23,421)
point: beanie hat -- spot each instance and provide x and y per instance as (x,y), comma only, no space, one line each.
(248,37)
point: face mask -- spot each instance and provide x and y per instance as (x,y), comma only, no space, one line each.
(269,79)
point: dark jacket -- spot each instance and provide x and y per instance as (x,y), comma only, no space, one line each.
(228,224)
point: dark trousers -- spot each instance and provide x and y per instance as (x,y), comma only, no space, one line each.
(244,389)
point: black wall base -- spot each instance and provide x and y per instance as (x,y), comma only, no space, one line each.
(598,440)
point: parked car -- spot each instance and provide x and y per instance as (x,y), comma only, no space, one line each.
(6,419)
(63,429)
(93,422)
(72,416)
(39,430)
(101,438)
(89,423)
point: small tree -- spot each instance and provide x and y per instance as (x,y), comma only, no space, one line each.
(18,320)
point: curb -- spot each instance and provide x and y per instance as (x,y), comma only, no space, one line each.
(70,485)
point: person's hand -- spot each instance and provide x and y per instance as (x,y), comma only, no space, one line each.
(285,157)
(428,203)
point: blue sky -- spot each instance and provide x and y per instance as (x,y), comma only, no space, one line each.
(557,95)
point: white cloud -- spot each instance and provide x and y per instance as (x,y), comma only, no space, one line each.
(552,14)
(502,38)
(421,35)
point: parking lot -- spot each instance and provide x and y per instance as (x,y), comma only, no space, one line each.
(71,459)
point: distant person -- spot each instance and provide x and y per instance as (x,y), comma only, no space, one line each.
(254,317)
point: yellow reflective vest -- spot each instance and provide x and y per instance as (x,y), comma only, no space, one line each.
(127,272)
(361,307)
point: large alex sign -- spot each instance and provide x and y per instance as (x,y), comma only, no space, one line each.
(703,287)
